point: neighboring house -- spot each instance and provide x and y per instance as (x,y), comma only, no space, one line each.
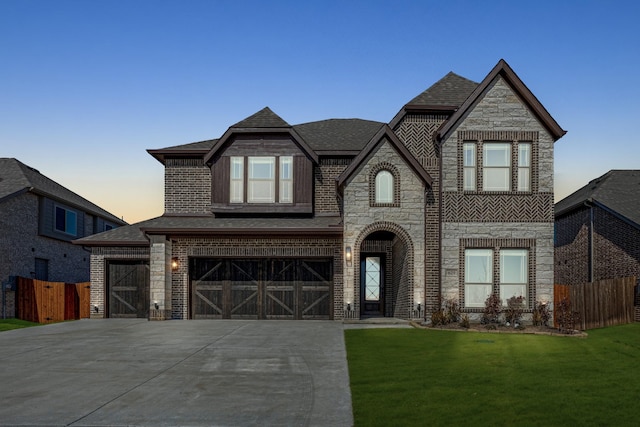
(347,218)
(38,220)
(598,230)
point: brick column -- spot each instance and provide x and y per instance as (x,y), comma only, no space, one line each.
(160,280)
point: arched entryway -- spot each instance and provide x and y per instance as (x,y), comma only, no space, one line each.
(383,279)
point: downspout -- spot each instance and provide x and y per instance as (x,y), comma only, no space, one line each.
(588,203)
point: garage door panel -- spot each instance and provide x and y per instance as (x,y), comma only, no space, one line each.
(208,301)
(263,288)
(128,289)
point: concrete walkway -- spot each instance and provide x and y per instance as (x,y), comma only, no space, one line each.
(190,373)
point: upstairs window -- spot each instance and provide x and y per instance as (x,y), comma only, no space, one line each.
(524,166)
(237,180)
(469,166)
(286,179)
(384,187)
(496,166)
(66,221)
(265,180)
(261,180)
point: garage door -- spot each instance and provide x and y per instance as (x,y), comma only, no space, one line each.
(128,288)
(261,288)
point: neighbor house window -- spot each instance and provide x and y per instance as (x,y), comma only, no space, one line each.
(478,276)
(469,166)
(496,166)
(261,180)
(66,221)
(237,180)
(524,166)
(514,273)
(384,187)
(286,179)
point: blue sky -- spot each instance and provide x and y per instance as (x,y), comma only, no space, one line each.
(87,86)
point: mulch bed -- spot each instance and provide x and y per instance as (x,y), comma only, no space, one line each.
(502,329)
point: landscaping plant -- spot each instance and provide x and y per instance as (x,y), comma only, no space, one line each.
(514,310)
(491,312)
(541,314)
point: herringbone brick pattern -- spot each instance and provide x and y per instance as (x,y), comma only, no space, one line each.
(507,207)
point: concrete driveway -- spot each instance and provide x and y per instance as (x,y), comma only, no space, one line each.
(190,373)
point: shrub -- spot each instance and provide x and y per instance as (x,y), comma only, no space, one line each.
(541,314)
(567,319)
(437,318)
(464,321)
(492,310)
(449,312)
(514,310)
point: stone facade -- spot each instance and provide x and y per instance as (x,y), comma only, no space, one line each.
(406,221)
(510,216)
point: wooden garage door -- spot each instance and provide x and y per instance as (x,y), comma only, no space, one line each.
(128,288)
(261,288)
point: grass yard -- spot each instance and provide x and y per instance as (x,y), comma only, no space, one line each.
(8,324)
(431,377)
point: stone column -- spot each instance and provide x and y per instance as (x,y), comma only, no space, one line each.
(160,280)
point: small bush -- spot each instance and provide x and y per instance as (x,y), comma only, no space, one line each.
(492,310)
(541,314)
(464,321)
(514,310)
(567,319)
(449,312)
(438,318)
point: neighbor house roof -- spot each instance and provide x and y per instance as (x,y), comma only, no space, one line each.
(617,190)
(504,70)
(17,178)
(135,234)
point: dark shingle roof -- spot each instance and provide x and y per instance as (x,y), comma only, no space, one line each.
(16,177)
(618,190)
(338,134)
(134,234)
(451,90)
(196,146)
(264,118)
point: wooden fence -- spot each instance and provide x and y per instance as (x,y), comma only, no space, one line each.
(599,304)
(46,302)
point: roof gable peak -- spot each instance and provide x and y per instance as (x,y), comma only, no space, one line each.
(264,118)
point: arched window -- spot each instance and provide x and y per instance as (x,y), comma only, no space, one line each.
(384,187)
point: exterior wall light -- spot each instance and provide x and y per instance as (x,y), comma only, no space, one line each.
(175,263)
(347,256)
(155,304)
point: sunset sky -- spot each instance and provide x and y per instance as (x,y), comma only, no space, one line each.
(87,86)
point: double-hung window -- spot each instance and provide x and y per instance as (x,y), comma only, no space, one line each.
(66,221)
(524,166)
(286,179)
(514,273)
(469,166)
(261,180)
(237,180)
(496,166)
(478,276)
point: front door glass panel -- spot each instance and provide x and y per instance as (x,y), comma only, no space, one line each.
(372,279)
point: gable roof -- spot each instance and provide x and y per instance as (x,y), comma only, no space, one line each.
(17,178)
(262,122)
(377,139)
(504,70)
(616,190)
(194,149)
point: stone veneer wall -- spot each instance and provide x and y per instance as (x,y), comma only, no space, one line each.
(406,221)
(99,258)
(539,236)
(499,115)
(184,248)
(191,174)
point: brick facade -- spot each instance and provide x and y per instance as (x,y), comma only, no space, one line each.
(191,174)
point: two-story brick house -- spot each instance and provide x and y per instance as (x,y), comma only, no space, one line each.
(347,218)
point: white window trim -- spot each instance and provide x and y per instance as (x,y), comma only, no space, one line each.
(286,184)
(237,182)
(388,183)
(469,170)
(524,184)
(486,168)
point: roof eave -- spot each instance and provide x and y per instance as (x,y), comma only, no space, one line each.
(161,154)
(245,231)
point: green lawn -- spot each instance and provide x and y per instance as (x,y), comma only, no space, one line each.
(430,377)
(8,324)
